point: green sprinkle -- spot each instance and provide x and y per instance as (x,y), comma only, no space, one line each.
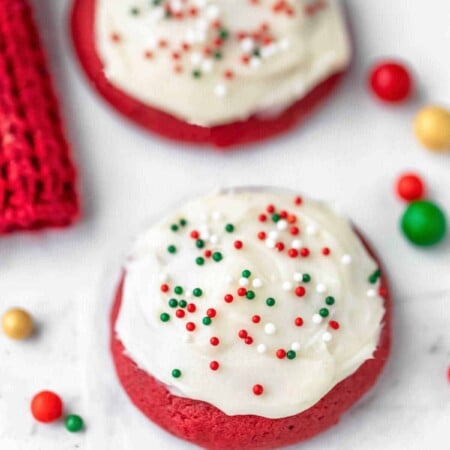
(291,354)
(217,55)
(374,277)
(73,423)
(182,303)
(250,295)
(275,217)
(324,312)
(270,301)
(217,256)
(174,227)
(256,52)
(196,74)
(246,273)
(173,303)
(172,249)
(197,292)
(330,300)
(200,243)
(223,33)
(176,373)
(306,278)
(178,290)
(135,11)
(164,317)
(183,222)
(200,261)
(206,320)
(229,227)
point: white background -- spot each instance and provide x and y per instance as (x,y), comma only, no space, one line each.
(351,152)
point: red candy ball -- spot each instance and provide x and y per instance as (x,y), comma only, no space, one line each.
(391,82)
(46,407)
(410,187)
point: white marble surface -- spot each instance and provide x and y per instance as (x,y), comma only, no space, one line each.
(351,151)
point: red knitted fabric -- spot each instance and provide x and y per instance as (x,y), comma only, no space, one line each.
(37,177)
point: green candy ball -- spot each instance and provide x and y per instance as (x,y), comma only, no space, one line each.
(74,423)
(424,223)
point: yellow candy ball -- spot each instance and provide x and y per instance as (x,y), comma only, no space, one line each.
(432,128)
(17,324)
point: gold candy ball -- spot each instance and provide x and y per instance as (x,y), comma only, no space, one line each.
(17,324)
(432,128)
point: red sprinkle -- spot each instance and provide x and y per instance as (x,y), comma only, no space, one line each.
(258,389)
(190,326)
(326,251)
(191,307)
(214,341)
(180,313)
(243,334)
(279,246)
(298,201)
(294,231)
(228,298)
(256,318)
(242,292)
(281,353)
(298,321)
(270,209)
(333,324)
(249,340)
(304,252)
(211,312)
(300,291)
(208,253)
(293,253)
(261,235)
(238,245)
(214,365)
(194,234)
(164,287)
(262,218)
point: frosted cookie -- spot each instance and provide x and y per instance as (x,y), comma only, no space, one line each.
(224,72)
(250,319)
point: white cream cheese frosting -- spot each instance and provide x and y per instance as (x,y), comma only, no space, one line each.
(255,301)
(212,62)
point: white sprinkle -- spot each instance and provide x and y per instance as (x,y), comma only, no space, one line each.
(255,63)
(287,285)
(152,43)
(216,215)
(296,243)
(187,338)
(282,225)
(212,12)
(257,283)
(261,348)
(220,90)
(200,36)
(214,239)
(298,276)
(269,50)
(270,243)
(175,5)
(285,44)
(200,3)
(163,277)
(207,65)
(202,25)
(189,294)
(346,260)
(270,328)
(243,281)
(327,336)
(317,318)
(247,44)
(371,293)
(273,234)
(295,346)
(190,36)
(312,229)
(156,15)
(321,288)
(196,58)
(205,235)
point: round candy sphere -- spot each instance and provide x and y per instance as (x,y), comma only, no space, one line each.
(424,223)
(74,423)
(432,128)
(46,407)
(17,324)
(390,81)
(410,187)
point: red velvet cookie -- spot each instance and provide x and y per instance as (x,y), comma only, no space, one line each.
(253,128)
(208,426)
